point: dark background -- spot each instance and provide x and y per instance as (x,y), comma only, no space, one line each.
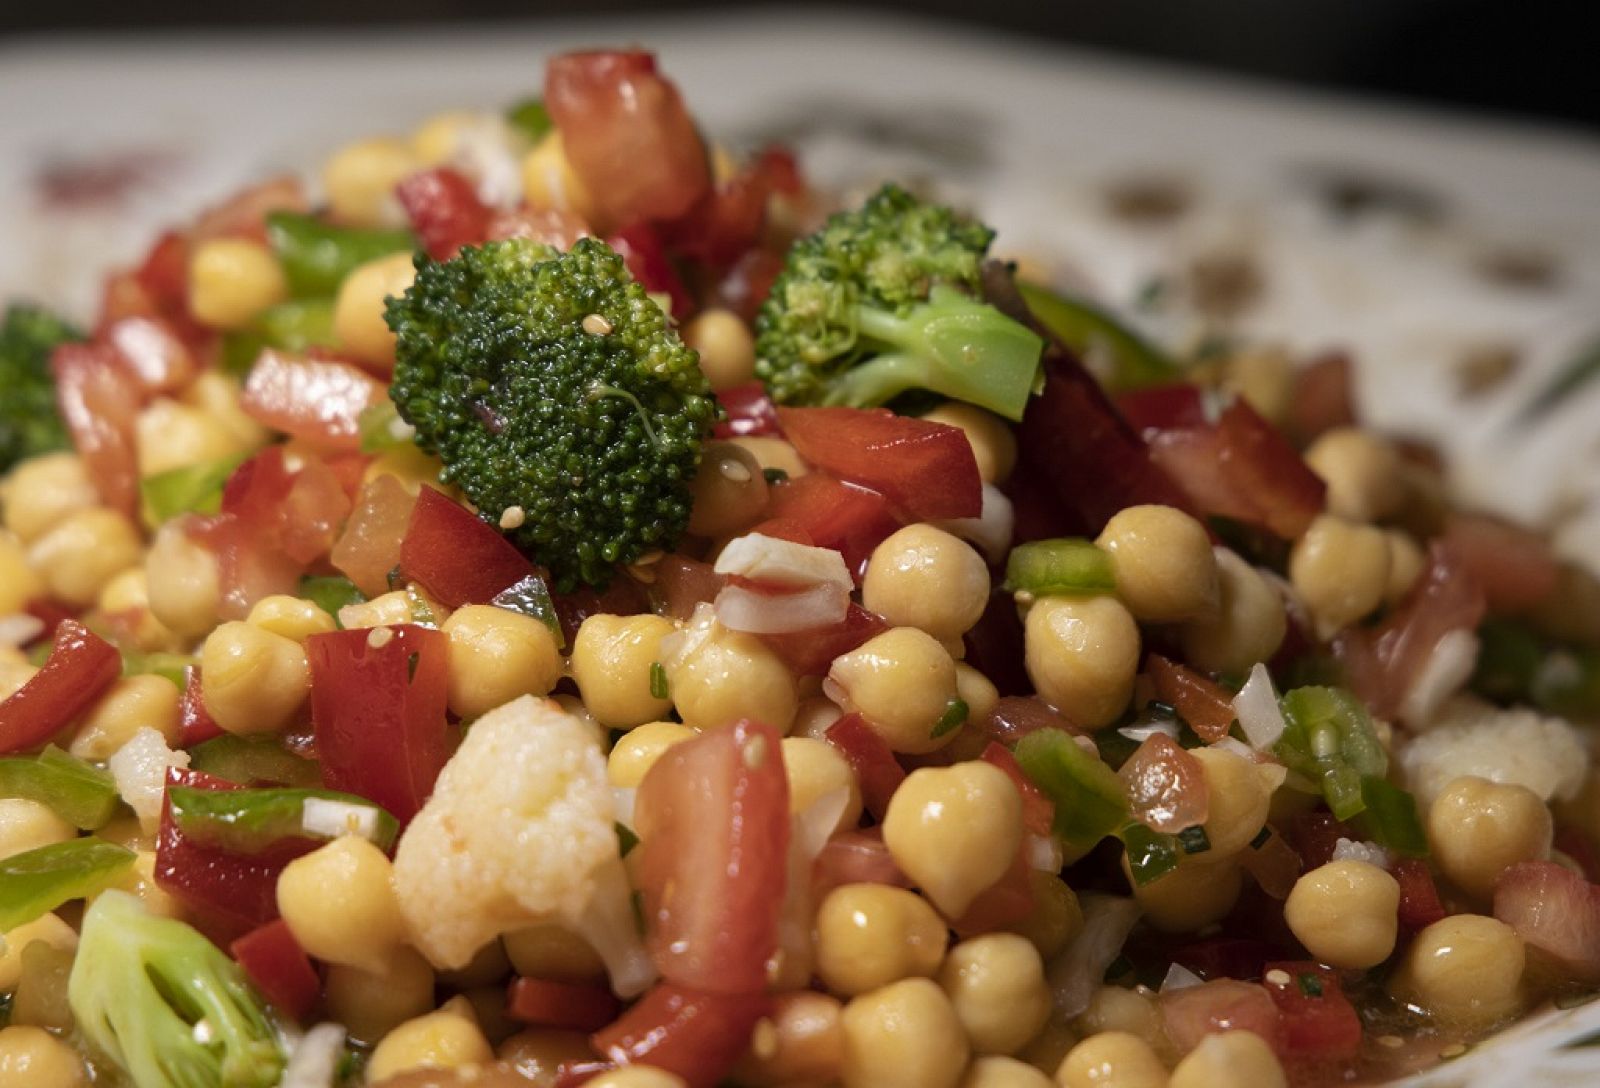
(1522,58)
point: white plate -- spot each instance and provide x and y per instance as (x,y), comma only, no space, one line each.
(1029,134)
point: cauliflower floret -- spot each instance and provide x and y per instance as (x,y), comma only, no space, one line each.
(139,768)
(520,830)
(1517,746)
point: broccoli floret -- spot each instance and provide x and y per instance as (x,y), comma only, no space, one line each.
(881,300)
(166,1005)
(28,421)
(559,397)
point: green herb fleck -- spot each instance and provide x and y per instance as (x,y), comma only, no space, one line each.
(1310,984)
(658,680)
(626,839)
(775,475)
(1194,840)
(954,716)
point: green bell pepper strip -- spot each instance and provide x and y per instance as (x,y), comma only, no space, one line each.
(1151,855)
(248,821)
(530,118)
(1089,799)
(168,666)
(290,326)
(1390,818)
(1066,565)
(36,882)
(193,489)
(330,593)
(317,256)
(81,794)
(1087,329)
(245,761)
(1329,738)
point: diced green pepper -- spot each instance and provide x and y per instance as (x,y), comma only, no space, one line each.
(166,665)
(330,593)
(81,794)
(531,597)
(1092,331)
(381,428)
(1568,683)
(1063,566)
(317,256)
(1151,855)
(1390,818)
(243,761)
(36,882)
(290,326)
(190,489)
(530,118)
(1508,660)
(1329,738)
(1088,797)
(248,821)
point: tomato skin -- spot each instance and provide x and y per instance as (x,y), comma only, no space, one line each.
(248,566)
(698,1036)
(713,814)
(810,653)
(379,714)
(832,514)
(455,555)
(577,1006)
(444,210)
(750,412)
(1203,704)
(280,968)
(879,773)
(98,399)
(81,665)
(316,400)
(1322,1025)
(195,724)
(926,470)
(641,249)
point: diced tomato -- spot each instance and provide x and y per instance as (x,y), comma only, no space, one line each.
(152,351)
(849,519)
(318,401)
(683,583)
(50,613)
(726,222)
(698,1036)
(456,556)
(280,969)
(926,470)
(297,513)
(627,134)
(229,893)
(369,547)
(81,665)
(1315,834)
(164,274)
(378,707)
(1323,397)
(1202,704)
(255,491)
(642,251)
(1515,567)
(1192,1013)
(623,597)
(857,856)
(1073,439)
(444,210)
(99,399)
(1004,903)
(1163,407)
(1419,896)
(552,226)
(875,766)
(713,814)
(1038,811)
(1273,864)
(195,724)
(749,412)
(1557,912)
(810,653)
(1317,1019)
(1015,716)
(248,566)
(576,1006)
(1166,786)
(244,214)
(1239,958)
(746,285)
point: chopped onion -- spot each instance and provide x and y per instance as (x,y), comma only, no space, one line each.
(19,629)
(139,769)
(327,819)
(821,605)
(765,558)
(314,1060)
(815,824)
(1079,972)
(992,529)
(1179,977)
(1448,667)
(1257,708)
(1044,853)
(623,796)
(1236,746)
(1369,852)
(1141,733)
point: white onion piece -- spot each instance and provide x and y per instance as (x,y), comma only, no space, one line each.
(1257,708)
(612,931)
(1369,852)
(1179,977)
(820,605)
(330,819)
(1044,853)
(1448,667)
(1079,971)
(992,529)
(815,824)
(1236,746)
(623,797)
(1141,733)
(314,1060)
(765,558)
(809,831)
(19,629)
(139,769)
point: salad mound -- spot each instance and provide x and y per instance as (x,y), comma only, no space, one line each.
(667,625)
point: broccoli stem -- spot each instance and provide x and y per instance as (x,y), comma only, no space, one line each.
(951,344)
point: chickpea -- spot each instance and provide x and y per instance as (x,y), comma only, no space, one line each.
(1082,654)
(496,655)
(717,676)
(998,1072)
(217,395)
(536,1053)
(127,596)
(18,583)
(132,703)
(638,1076)
(48,928)
(726,345)
(184,585)
(1406,562)
(340,904)
(252,680)
(1340,569)
(360,179)
(954,831)
(869,935)
(1120,1009)
(637,751)
(1248,627)
(140,879)
(994,447)
(358,322)
(370,1004)
(1191,897)
(1263,377)
(1113,1059)
(292,617)
(1477,828)
(40,492)
(27,825)
(1240,795)
(612,661)
(902,682)
(435,1040)
(905,1035)
(1239,1058)
(773,453)
(814,717)
(924,577)
(1465,970)
(1163,562)
(31,1057)
(730,492)
(548,180)
(996,984)
(231,280)
(384,610)
(1056,917)
(77,557)
(553,952)
(815,769)
(437,139)
(805,1044)
(1344,913)
(1362,472)
(976,690)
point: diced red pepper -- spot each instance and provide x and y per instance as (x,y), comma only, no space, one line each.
(280,969)
(875,766)
(1419,895)
(1038,811)
(926,470)
(1315,835)
(1239,958)
(641,250)
(849,519)
(810,653)
(81,665)
(576,1006)
(456,556)
(51,613)
(378,707)
(195,724)
(98,399)
(1323,397)
(698,1036)
(1317,1020)
(1203,704)
(750,412)
(444,210)
(316,400)
(153,351)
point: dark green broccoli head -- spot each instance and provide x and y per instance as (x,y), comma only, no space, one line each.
(881,300)
(553,383)
(28,421)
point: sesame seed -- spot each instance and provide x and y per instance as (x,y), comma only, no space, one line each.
(755,753)
(379,637)
(1278,977)
(734,470)
(596,325)
(764,1039)
(1454,1050)
(512,517)
(1392,1042)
